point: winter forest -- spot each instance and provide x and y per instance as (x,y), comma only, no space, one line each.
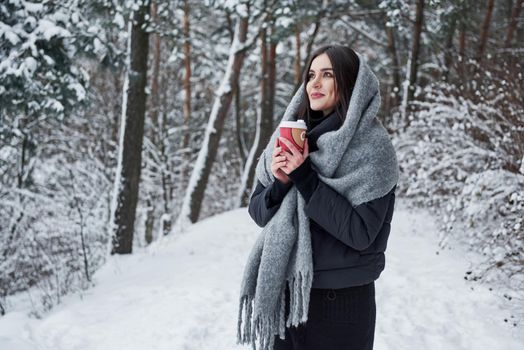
(124,123)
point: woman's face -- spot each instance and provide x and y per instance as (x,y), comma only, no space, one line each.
(321,87)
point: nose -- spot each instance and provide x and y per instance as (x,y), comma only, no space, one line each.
(316,81)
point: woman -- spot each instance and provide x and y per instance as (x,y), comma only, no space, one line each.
(326,213)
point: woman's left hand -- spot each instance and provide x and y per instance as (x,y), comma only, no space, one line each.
(295,158)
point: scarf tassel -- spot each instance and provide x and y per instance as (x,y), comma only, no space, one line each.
(263,328)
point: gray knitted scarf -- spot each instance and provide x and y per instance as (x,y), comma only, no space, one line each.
(359,162)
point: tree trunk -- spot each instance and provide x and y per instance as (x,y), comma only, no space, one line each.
(309,48)
(150,222)
(271,82)
(483,39)
(264,119)
(298,59)
(166,171)
(155,73)
(23,160)
(197,184)
(241,140)
(167,182)
(131,135)
(187,76)
(310,42)
(462,52)
(513,23)
(413,61)
(263,74)
(230,26)
(392,48)
(448,57)
(156,136)
(241,143)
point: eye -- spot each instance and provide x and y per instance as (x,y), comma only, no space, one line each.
(310,76)
(328,74)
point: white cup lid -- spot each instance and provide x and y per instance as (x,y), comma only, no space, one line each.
(299,124)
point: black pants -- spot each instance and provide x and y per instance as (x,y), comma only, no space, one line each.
(338,319)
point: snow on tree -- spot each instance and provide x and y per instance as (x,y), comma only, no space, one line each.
(461,158)
(197,184)
(51,241)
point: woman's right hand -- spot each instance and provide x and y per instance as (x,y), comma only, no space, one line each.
(278,161)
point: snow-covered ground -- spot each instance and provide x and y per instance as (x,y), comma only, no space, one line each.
(181,294)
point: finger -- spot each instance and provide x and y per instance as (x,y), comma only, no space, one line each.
(306,148)
(286,169)
(276,150)
(277,159)
(279,165)
(289,145)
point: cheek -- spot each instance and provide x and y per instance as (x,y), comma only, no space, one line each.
(334,92)
(309,86)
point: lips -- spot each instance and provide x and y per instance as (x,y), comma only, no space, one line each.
(316,95)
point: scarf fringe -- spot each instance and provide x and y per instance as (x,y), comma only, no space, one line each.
(299,288)
(264,328)
(244,335)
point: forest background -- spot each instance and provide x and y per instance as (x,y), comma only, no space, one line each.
(125,121)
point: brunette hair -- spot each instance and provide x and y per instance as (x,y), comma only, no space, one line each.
(345,64)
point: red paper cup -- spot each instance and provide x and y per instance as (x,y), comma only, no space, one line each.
(295,132)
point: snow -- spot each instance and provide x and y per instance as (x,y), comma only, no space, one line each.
(30,65)
(98,46)
(79,90)
(182,293)
(8,33)
(242,10)
(119,20)
(50,29)
(54,105)
(33,7)
(284,22)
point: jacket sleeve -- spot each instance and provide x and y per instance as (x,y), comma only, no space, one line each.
(357,226)
(265,201)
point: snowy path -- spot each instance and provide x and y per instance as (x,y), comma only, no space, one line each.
(181,294)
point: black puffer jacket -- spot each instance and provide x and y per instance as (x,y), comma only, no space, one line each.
(348,242)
